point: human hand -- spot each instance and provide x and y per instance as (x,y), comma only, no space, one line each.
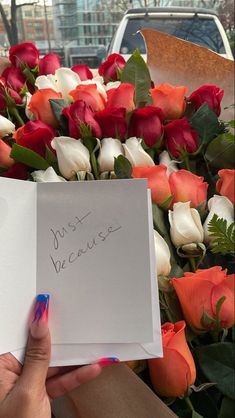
(26,391)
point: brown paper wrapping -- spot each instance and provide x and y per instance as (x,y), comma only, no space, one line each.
(175,61)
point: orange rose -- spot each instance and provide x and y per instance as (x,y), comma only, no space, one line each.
(5,160)
(40,106)
(90,95)
(200,292)
(157,181)
(122,96)
(170,99)
(175,372)
(186,186)
(226,184)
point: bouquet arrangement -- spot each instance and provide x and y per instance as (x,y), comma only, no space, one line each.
(67,124)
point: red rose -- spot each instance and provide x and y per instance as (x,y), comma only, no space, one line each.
(83,71)
(146,123)
(79,112)
(18,171)
(14,78)
(8,95)
(109,68)
(212,95)
(113,122)
(35,135)
(49,64)
(25,53)
(179,136)
(122,96)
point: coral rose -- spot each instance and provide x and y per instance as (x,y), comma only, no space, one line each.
(122,96)
(226,184)
(40,106)
(210,94)
(199,294)
(173,374)
(186,186)
(171,99)
(5,160)
(90,95)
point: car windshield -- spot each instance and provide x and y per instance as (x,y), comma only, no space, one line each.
(201,31)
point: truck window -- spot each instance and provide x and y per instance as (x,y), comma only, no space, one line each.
(201,31)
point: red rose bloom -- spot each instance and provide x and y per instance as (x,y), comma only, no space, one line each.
(49,64)
(79,112)
(146,123)
(25,53)
(4,97)
(113,122)
(18,171)
(212,95)
(83,71)
(35,135)
(109,68)
(179,136)
(14,78)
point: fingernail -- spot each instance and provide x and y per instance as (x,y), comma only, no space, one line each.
(39,325)
(106,361)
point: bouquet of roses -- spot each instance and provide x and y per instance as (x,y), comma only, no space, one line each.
(67,124)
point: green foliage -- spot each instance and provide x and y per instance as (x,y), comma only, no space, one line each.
(206,123)
(2,170)
(223,236)
(27,156)
(136,72)
(227,409)
(122,167)
(57,105)
(221,151)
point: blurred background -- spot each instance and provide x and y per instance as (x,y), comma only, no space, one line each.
(81,30)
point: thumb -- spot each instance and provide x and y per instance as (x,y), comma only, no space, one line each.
(38,350)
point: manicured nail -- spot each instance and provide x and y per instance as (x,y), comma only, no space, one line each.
(106,361)
(39,325)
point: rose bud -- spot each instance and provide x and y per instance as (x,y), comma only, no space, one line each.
(179,137)
(110,67)
(90,95)
(163,255)
(185,227)
(72,156)
(186,186)
(146,123)
(164,159)
(223,208)
(6,126)
(8,97)
(199,294)
(135,153)
(49,175)
(210,94)
(170,99)
(79,113)
(5,160)
(157,181)
(122,96)
(35,135)
(83,71)
(173,374)
(15,79)
(40,107)
(226,184)
(113,122)
(23,54)
(110,148)
(49,64)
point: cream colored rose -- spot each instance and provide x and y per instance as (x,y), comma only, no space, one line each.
(186,226)
(110,148)
(163,255)
(135,153)
(221,206)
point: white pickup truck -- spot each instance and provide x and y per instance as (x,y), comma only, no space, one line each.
(200,26)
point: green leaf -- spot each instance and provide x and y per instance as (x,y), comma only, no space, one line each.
(223,237)
(90,143)
(218,309)
(57,105)
(232,123)
(122,167)
(196,415)
(27,156)
(217,363)
(136,72)
(206,123)
(220,152)
(227,409)
(3,170)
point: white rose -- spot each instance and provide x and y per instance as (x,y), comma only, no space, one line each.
(66,80)
(135,153)
(163,255)
(164,159)
(6,126)
(46,82)
(112,85)
(72,156)
(186,226)
(223,208)
(110,148)
(49,175)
